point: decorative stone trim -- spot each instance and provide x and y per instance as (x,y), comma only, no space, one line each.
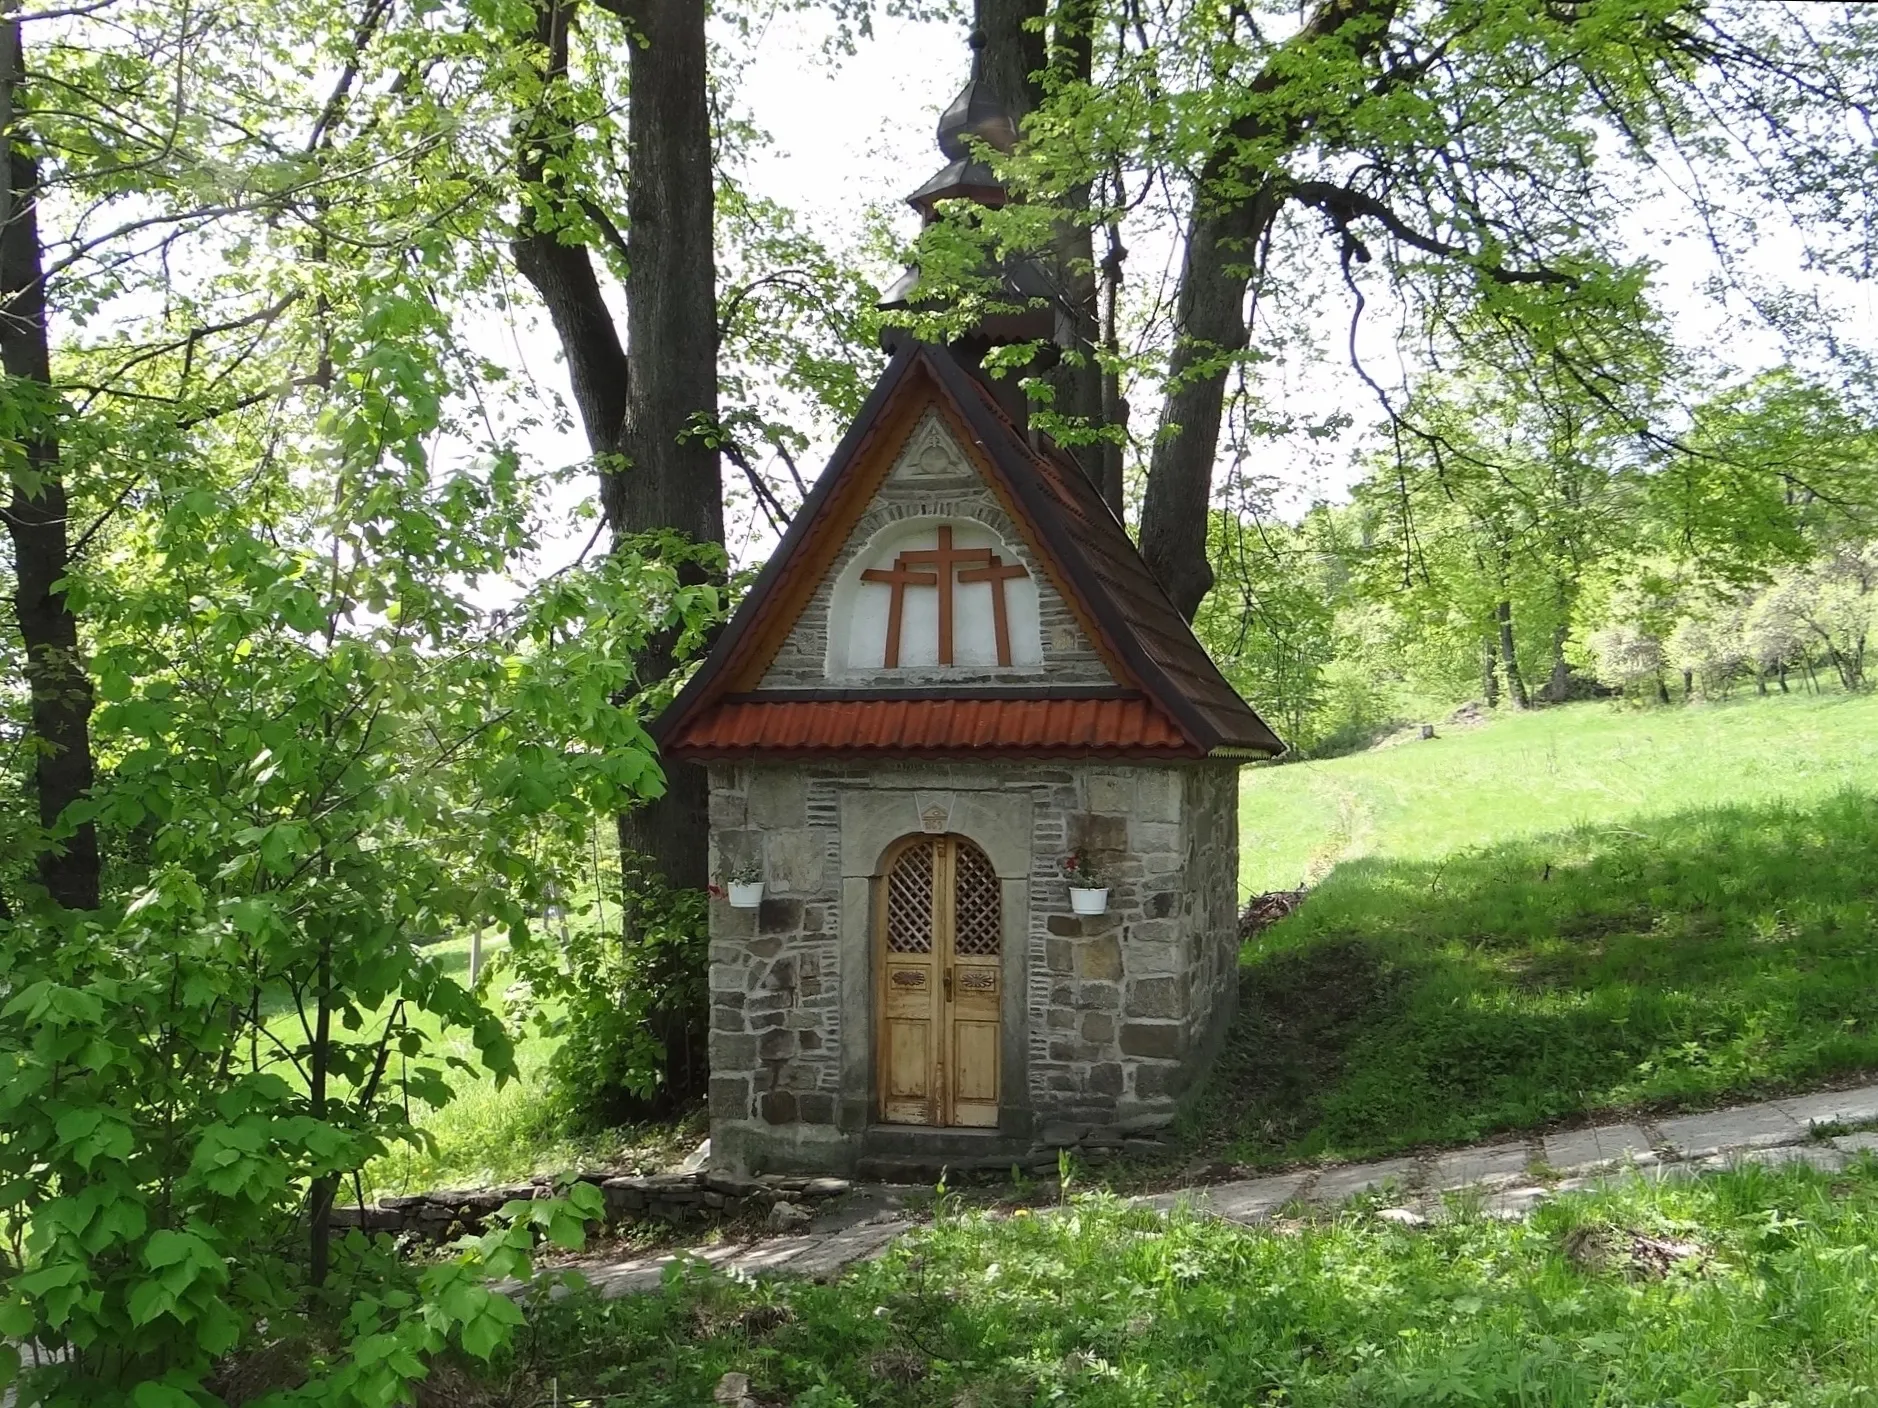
(630,1198)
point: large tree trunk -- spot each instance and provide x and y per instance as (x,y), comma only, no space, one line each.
(1209,331)
(1015,55)
(1015,52)
(1489,675)
(58,688)
(640,402)
(673,478)
(647,406)
(1077,380)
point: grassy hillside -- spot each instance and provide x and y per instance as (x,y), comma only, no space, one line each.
(1553,918)
(1550,770)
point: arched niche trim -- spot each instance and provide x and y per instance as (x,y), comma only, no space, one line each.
(928,595)
(875,823)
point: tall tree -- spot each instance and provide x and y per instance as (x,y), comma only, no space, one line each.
(1469,159)
(38,515)
(648,403)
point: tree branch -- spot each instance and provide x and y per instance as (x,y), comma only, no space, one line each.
(1344,206)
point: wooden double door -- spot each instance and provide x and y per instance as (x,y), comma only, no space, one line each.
(939,952)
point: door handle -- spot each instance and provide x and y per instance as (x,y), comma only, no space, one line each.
(948,982)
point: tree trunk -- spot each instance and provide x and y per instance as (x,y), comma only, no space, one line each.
(1077,380)
(1209,331)
(1015,52)
(1558,685)
(643,403)
(564,278)
(1234,207)
(1509,658)
(640,403)
(1489,675)
(673,478)
(58,689)
(1114,408)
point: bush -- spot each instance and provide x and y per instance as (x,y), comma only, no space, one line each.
(631,1007)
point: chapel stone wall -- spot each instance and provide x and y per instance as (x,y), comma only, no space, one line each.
(1109,1018)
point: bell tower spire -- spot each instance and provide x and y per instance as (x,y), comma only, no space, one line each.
(976,119)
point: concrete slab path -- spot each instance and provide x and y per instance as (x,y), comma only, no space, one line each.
(1510,1178)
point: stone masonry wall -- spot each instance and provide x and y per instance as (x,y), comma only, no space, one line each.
(946,487)
(446,1214)
(1117,1010)
(1135,1002)
(1212,800)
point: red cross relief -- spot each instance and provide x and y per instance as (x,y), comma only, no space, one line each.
(979,564)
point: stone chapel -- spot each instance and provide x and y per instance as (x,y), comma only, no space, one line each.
(956,673)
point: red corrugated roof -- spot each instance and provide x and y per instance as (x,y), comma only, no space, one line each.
(1016,726)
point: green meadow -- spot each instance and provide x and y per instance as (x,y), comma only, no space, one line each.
(1551,770)
(1749,1287)
(1551,918)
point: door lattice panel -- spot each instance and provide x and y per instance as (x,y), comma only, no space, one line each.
(909,900)
(975,904)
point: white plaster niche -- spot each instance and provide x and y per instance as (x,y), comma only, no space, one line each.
(931,554)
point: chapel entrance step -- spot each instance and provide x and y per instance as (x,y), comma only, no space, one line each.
(922,1153)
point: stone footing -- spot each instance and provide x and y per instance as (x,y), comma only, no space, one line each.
(630,1198)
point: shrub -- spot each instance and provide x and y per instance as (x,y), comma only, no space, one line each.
(628,1005)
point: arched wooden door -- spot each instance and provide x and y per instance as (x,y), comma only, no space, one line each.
(939,950)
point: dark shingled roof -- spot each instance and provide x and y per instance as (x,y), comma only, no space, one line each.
(1086,550)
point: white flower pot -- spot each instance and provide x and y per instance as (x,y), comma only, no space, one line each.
(1083,900)
(746,894)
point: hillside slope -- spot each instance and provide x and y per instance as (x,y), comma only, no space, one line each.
(1555,918)
(1553,769)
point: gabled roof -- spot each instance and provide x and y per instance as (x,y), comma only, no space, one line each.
(1170,700)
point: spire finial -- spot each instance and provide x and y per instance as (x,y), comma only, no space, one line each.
(975,113)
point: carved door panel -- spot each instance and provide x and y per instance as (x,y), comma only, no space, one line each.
(974,987)
(910,1001)
(942,985)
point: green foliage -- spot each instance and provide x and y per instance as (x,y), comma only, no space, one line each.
(1495,541)
(320,756)
(607,999)
(1270,619)
(1102,1305)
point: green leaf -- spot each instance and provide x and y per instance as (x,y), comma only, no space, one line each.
(149,1299)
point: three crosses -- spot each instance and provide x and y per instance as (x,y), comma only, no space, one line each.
(974,564)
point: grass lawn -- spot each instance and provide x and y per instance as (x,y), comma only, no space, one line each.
(1550,770)
(1746,1287)
(1556,917)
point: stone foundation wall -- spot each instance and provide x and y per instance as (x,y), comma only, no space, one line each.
(1106,1018)
(661,1197)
